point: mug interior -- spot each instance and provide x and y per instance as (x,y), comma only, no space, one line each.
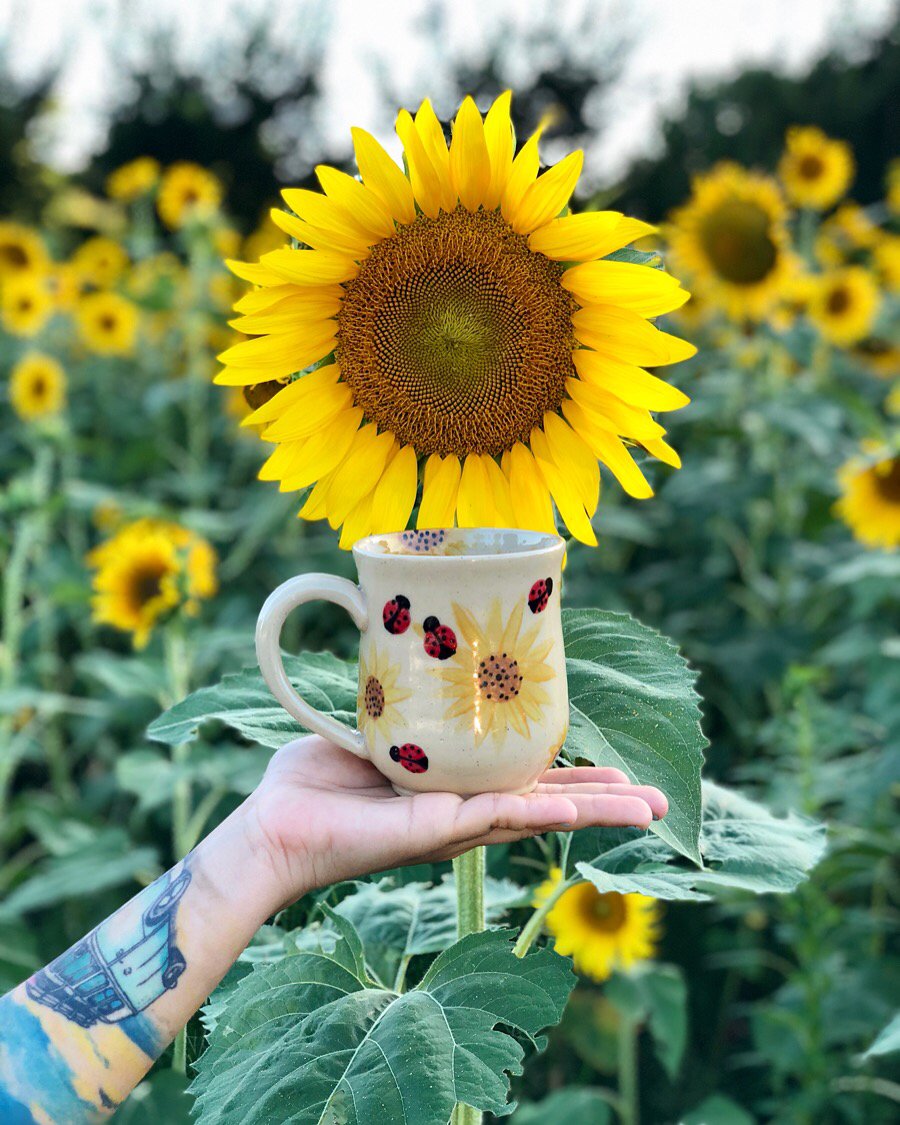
(458,542)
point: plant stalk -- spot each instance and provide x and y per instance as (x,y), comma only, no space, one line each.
(468,871)
(629,1106)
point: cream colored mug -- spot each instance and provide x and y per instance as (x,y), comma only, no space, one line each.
(462,679)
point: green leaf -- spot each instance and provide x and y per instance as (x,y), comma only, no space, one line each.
(160,1098)
(656,994)
(307,1039)
(398,922)
(717,1110)
(886,1041)
(152,777)
(633,705)
(579,1104)
(743,846)
(243,702)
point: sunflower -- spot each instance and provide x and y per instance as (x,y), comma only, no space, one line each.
(26,304)
(601,932)
(845,234)
(844,304)
(146,571)
(815,169)
(379,700)
(495,683)
(886,258)
(870,497)
(21,250)
(67,286)
(187,192)
(107,323)
(37,387)
(460,319)
(134,179)
(731,238)
(100,261)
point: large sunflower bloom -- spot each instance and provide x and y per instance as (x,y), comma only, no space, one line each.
(815,169)
(602,933)
(463,320)
(870,498)
(731,239)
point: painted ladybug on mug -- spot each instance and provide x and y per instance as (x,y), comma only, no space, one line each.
(539,595)
(440,640)
(395,615)
(410,756)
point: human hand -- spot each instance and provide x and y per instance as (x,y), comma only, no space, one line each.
(321,815)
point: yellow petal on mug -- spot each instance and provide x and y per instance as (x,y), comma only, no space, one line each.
(532,505)
(609,449)
(395,493)
(439,492)
(368,208)
(425,181)
(632,384)
(470,165)
(624,335)
(359,470)
(315,456)
(591,234)
(382,176)
(548,195)
(499,137)
(310,267)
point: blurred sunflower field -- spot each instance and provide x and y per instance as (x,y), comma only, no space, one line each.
(138,545)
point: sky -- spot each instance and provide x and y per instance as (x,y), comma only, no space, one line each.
(670,43)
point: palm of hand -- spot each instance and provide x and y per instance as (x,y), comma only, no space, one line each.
(323,814)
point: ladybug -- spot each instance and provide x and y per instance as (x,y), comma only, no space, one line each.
(440,640)
(410,756)
(395,615)
(539,595)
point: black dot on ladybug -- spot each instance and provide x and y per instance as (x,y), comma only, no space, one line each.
(539,595)
(396,615)
(410,756)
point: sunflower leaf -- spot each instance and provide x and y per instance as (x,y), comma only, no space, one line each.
(743,846)
(307,1037)
(243,702)
(633,705)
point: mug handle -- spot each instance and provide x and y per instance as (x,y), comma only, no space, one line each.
(272,616)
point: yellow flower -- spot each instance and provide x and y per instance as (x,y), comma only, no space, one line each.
(496,680)
(892,402)
(731,238)
(878,355)
(844,233)
(132,180)
(870,500)
(844,304)
(815,169)
(107,323)
(37,386)
(21,250)
(187,192)
(67,286)
(461,321)
(886,257)
(26,304)
(602,933)
(379,700)
(100,261)
(892,184)
(146,571)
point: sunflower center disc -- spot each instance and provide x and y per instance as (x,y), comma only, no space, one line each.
(811,167)
(838,301)
(888,484)
(736,237)
(14,255)
(455,336)
(604,912)
(146,585)
(374,697)
(499,677)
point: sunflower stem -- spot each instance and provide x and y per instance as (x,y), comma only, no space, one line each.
(629,1107)
(179,1052)
(468,871)
(535,923)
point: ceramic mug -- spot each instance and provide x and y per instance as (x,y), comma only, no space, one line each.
(462,679)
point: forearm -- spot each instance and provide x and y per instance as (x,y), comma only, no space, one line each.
(80,1034)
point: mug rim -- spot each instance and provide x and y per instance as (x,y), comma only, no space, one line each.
(537,544)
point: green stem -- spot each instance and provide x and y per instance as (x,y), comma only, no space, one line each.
(535,923)
(179,1052)
(179,680)
(468,870)
(628,1072)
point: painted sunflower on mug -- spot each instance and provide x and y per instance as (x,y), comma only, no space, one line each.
(458,345)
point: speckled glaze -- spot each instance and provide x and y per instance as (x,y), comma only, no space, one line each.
(462,683)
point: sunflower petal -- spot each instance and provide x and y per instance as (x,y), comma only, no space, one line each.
(273,357)
(316,238)
(382,176)
(589,235)
(324,214)
(425,180)
(530,496)
(320,379)
(613,414)
(631,384)
(315,457)
(470,164)
(439,492)
(310,267)
(358,472)
(499,137)
(309,412)
(548,195)
(609,449)
(644,290)
(254,272)
(368,208)
(500,494)
(567,500)
(315,506)
(624,335)
(522,175)
(574,459)
(662,451)
(289,314)
(431,133)
(395,493)
(358,523)
(475,503)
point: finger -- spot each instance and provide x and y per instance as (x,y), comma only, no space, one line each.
(486,813)
(565,775)
(609,810)
(649,793)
